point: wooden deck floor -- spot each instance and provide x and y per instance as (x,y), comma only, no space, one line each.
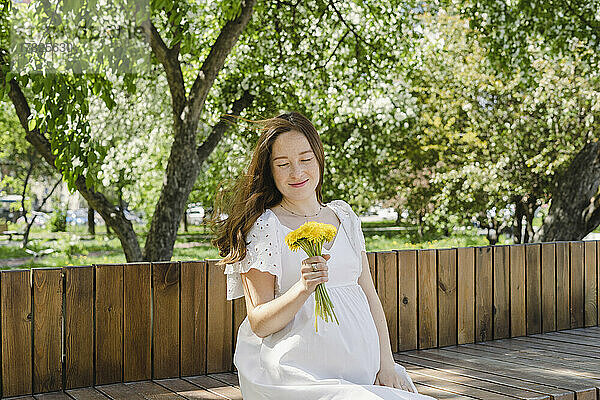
(558,365)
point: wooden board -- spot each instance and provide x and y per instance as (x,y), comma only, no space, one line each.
(484,369)
(216,386)
(188,390)
(407,299)
(137,362)
(219,335)
(483,293)
(548,269)
(109,324)
(447,297)
(193,318)
(501,310)
(534,288)
(466,294)
(563,283)
(427,302)
(15,301)
(165,321)
(577,311)
(47,329)
(481,380)
(387,290)
(79,326)
(517,291)
(589,288)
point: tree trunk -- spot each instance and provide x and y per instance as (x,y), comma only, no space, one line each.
(575,206)
(91,222)
(181,174)
(492,232)
(185,158)
(519,211)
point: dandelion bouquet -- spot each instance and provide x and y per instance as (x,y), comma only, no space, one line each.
(310,238)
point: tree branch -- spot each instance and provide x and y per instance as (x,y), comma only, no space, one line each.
(206,148)
(98,201)
(216,59)
(169,58)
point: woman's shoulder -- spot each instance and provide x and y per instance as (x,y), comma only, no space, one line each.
(343,206)
(263,224)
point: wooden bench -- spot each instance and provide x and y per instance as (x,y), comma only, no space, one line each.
(5,232)
(493,322)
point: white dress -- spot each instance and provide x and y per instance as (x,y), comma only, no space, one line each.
(296,363)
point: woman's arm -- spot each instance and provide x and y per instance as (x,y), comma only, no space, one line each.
(366,282)
(266,314)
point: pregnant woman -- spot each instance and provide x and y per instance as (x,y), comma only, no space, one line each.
(278,353)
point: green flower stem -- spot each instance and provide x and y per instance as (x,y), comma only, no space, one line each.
(323,303)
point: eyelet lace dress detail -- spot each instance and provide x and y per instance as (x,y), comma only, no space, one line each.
(263,252)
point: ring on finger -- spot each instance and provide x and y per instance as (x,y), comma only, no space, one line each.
(314,267)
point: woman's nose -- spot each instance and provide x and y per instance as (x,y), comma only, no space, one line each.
(295,169)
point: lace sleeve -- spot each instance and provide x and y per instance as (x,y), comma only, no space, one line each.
(262,253)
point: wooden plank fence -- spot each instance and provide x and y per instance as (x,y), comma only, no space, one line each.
(72,327)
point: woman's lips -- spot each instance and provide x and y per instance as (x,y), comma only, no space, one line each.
(299,184)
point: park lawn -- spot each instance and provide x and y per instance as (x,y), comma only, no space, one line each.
(76,247)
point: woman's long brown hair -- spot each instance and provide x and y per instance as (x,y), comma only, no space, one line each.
(255,191)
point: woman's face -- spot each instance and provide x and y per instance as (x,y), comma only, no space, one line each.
(293,161)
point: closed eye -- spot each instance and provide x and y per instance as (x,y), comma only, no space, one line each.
(283,165)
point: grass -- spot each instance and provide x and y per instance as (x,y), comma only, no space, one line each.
(77,247)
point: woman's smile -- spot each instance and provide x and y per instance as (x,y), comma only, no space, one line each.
(298,184)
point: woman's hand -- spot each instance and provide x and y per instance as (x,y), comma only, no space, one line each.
(309,278)
(387,376)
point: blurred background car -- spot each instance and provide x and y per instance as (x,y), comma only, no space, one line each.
(195,215)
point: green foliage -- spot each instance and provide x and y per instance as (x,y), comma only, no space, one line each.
(58,221)
(482,140)
(513,30)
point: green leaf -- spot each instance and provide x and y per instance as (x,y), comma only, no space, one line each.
(31,124)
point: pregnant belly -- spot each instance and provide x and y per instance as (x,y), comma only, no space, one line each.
(348,351)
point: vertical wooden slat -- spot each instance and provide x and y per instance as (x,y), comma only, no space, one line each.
(387,290)
(501,303)
(137,363)
(577,311)
(219,337)
(466,295)
(79,326)
(548,288)
(427,312)
(372,266)
(15,300)
(165,306)
(534,288)
(589,289)
(193,318)
(407,299)
(447,289)
(517,291)
(563,284)
(47,327)
(598,279)
(483,293)
(109,324)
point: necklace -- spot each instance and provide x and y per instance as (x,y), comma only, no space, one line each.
(305,216)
